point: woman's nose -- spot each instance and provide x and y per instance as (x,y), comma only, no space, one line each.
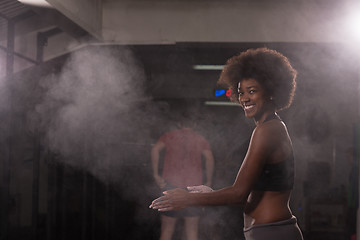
(243,98)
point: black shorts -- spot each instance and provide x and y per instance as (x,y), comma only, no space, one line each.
(186,212)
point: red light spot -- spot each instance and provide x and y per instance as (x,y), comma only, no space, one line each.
(228,92)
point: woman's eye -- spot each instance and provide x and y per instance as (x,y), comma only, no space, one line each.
(252,91)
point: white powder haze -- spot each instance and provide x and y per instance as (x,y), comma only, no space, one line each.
(91,110)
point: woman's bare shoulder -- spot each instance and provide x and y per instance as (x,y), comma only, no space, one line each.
(272,132)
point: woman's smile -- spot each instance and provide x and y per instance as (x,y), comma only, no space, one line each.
(247,107)
(252,98)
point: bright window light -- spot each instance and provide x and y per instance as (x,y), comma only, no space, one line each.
(38,3)
(352,24)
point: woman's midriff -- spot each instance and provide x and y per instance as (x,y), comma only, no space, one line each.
(266,207)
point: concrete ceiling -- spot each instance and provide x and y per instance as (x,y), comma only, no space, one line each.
(107,19)
(160,21)
(152,22)
(10,9)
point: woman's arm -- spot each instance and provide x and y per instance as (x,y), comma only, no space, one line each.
(261,146)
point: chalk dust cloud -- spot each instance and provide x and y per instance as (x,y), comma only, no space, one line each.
(94,108)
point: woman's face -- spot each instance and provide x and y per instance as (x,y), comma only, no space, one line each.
(253,98)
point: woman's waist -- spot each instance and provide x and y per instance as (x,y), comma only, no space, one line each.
(266,208)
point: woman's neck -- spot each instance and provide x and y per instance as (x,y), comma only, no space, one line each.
(265,117)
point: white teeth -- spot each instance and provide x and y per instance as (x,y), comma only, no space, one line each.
(248,107)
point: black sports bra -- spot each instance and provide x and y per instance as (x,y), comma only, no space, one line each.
(276,176)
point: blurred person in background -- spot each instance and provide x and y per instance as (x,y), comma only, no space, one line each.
(182,166)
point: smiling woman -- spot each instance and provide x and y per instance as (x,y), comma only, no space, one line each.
(263,82)
(270,68)
(253,98)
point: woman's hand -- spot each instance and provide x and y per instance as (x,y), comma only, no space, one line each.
(175,199)
(199,189)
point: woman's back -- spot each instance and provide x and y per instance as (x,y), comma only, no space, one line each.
(269,199)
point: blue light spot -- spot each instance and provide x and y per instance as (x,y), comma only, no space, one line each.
(219,93)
